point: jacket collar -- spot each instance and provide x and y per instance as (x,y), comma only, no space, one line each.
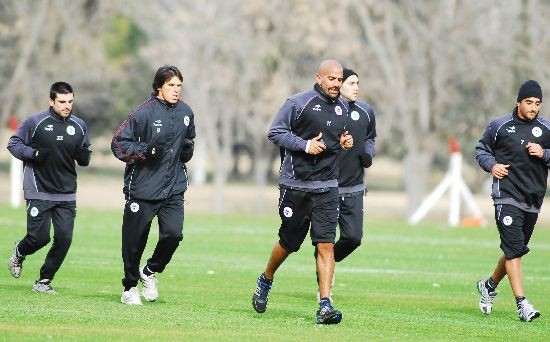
(165,103)
(516,116)
(56,116)
(317,89)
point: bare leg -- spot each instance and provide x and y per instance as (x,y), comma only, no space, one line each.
(500,270)
(325,267)
(515,276)
(278,256)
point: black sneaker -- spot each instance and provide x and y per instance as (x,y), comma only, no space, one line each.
(261,294)
(327,314)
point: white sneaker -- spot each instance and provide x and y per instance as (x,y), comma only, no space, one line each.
(131,297)
(149,283)
(527,312)
(15,263)
(487,298)
(43,286)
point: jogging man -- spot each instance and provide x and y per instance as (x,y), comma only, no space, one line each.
(351,185)
(310,129)
(49,143)
(515,149)
(155,141)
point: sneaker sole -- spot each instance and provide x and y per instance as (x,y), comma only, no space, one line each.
(334,318)
(535,316)
(150,299)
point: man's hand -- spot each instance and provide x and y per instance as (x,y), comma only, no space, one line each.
(346,141)
(154,151)
(40,155)
(500,170)
(187,150)
(534,149)
(316,145)
(366,160)
(83,156)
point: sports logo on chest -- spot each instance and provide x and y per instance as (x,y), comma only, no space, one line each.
(355,115)
(60,132)
(157,124)
(511,129)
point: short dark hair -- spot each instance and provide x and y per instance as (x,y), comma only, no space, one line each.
(60,88)
(163,74)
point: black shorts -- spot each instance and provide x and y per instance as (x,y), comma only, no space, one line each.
(515,227)
(298,209)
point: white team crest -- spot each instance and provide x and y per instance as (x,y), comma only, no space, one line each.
(355,115)
(70,130)
(134,207)
(338,110)
(34,211)
(186,120)
(507,220)
(511,129)
(287,211)
(537,132)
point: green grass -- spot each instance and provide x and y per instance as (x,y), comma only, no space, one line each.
(403,283)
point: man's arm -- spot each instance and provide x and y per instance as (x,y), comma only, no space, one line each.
(369,146)
(126,144)
(485,154)
(83,154)
(19,144)
(280,132)
(188,147)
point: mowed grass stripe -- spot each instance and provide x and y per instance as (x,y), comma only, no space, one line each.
(406,283)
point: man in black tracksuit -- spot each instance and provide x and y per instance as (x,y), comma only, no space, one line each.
(155,141)
(310,130)
(49,143)
(351,186)
(515,149)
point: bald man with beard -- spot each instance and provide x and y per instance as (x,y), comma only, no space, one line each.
(310,130)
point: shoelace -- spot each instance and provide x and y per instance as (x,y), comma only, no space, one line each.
(526,308)
(488,297)
(150,279)
(44,286)
(326,308)
(264,289)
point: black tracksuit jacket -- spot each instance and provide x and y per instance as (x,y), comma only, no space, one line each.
(302,117)
(55,178)
(154,123)
(362,127)
(504,142)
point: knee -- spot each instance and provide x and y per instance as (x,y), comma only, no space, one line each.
(63,238)
(290,246)
(39,240)
(353,240)
(172,236)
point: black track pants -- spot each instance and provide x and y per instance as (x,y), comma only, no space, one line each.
(138,215)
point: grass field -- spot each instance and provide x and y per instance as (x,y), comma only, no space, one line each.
(404,283)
